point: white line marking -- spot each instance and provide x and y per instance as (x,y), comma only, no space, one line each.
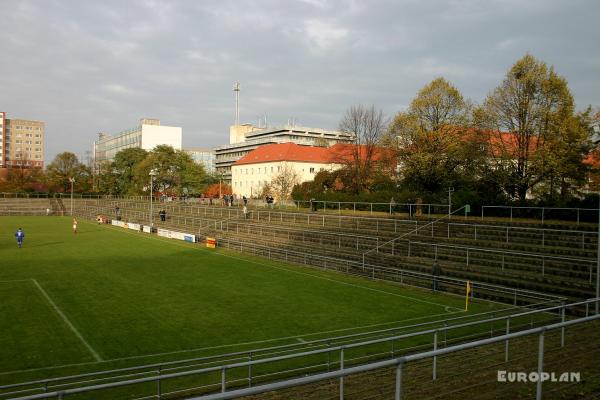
(301,340)
(64,317)
(297,272)
(16,280)
(223,346)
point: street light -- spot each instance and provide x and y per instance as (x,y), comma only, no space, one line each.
(152,175)
(72,180)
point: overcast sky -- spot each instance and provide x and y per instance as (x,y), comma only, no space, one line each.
(85,67)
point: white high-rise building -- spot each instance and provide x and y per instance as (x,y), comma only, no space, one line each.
(147,135)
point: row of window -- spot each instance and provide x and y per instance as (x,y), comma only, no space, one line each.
(27,142)
(259,170)
(250,183)
(263,170)
(18,134)
(27,128)
(19,155)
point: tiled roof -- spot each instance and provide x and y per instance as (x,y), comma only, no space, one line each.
(286,152)
(336,154)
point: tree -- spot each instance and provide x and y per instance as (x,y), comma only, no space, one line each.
(217,190)
(21,180)
(282,184)
(527,117)
(436,146)
(124,166)
(65,166)
(563,157)
(175,172)
(367,125)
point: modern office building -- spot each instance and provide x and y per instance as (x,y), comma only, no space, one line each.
(21,143)
(147,135)
(203,156)
(246,137)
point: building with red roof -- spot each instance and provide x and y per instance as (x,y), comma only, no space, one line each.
(251,173)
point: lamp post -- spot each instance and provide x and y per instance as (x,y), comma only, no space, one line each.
(72,180)
(152,175)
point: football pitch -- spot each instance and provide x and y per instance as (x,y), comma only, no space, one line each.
(109,297)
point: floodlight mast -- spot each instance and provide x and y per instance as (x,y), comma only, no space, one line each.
(72,180)
(152,175)
(236,89)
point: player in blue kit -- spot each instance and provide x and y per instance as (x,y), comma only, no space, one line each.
(20,235)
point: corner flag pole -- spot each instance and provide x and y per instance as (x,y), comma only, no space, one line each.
(468,292)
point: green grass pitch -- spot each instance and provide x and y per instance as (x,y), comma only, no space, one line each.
(110,297)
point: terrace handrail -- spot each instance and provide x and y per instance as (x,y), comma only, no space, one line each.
(290,229)
(515,253)
(268,387)
(543,209)
(525,228)
(417,228)
(397,362)
(390,206)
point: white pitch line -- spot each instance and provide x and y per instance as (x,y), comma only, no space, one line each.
(16,280)
(303,273)
(64,317)
(224,345)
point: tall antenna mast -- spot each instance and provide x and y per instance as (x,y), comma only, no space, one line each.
(236,89)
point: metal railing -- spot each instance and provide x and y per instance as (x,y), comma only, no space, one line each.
(543,213)
(412,209)
(416,230)
(304,235)
(506,254)
(544,234)
(401,362)
(232,375)
(391,225)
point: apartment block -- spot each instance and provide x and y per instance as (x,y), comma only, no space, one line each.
(21,143)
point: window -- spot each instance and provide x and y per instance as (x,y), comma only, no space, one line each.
(312,170)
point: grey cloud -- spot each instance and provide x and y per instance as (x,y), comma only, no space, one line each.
(86,66)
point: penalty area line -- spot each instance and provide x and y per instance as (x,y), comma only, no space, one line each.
(66,320)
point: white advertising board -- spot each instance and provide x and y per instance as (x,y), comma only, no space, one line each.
(118,223)
(187,237)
